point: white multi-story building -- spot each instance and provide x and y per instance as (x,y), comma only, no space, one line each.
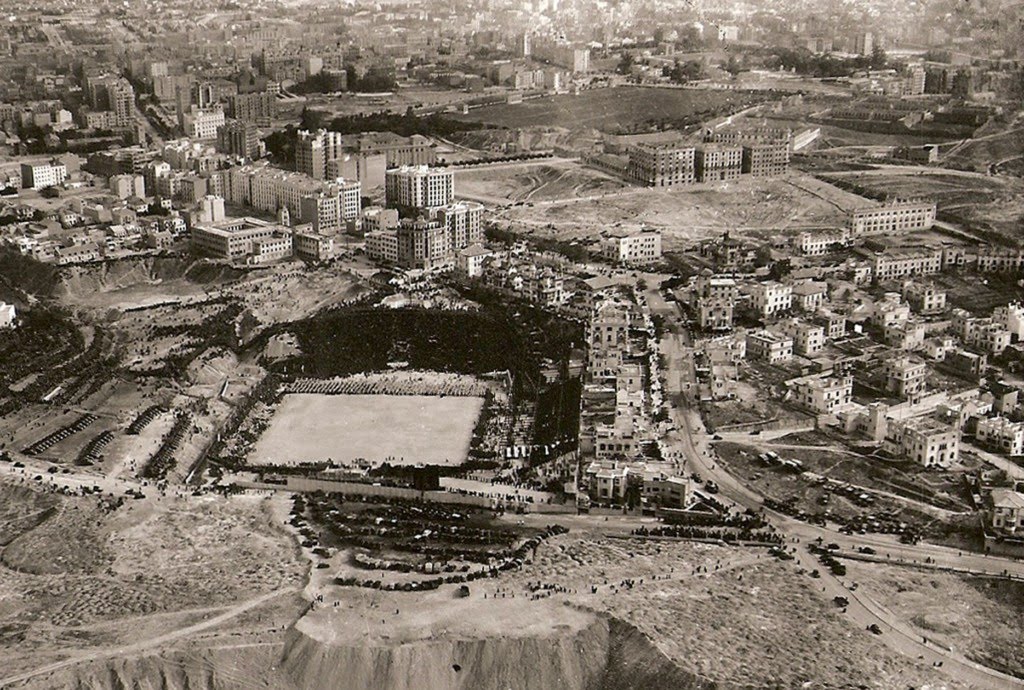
(242,238)
(823,394)
(636,248)
(469,262)
(808,338)
(770,347)
(906,261)
(382,245)
(1001,434)
(892,218)
(820,243)
(771,298)
(1011,318)
(419,186)
(202,124)
(270,189)
(43,175)
(313,246)
(464,222)
(924,298)
(925,440)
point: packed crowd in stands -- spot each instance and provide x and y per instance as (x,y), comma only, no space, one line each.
(393,383)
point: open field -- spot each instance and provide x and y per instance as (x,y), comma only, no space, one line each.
(611,110)
(748,207)
(982,618)
(405,429)
(93,575)
(501,184)
(782,632)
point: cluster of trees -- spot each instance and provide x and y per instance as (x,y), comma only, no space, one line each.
(376,80)
(803,61)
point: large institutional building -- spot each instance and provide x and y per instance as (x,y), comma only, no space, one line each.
(662,165)
(269,189)
(364,157)
(899,216)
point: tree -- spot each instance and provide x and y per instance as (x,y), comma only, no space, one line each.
(625,65)
(878,57)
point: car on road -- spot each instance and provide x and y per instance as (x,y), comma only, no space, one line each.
(711,487)
(867,550)
(875,629)
(841,602)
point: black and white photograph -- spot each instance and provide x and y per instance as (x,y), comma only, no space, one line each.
(512,345)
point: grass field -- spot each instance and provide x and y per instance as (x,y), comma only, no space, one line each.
(610,110)
(406,428)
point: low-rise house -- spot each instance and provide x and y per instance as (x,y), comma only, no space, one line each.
(8,314)
(1007,511)
(810,295)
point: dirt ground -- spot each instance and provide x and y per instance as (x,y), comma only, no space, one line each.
(347,428)
(525,182)
(749,206)
(91,576)
(983,619)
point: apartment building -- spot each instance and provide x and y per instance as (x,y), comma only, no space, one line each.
(993,259)
(924,298)
(717,162)
(382,245)
(258,108)
(269,189)
(469,262)
(769,347)
(379,218)
(463,220)
(1010,317)
(823,394)
(808,338)
(419,187)
(745,135)
(833,324)
(820,243)
(765,159)
(241,139)
(904,376)
(312,246)
(634,249)
(771,298)
(664,491)
(715,297)
(892,218)
(901,262)
(985,334)
(424,245)
(201,124)
(662,165)
(608,340)
(43,175)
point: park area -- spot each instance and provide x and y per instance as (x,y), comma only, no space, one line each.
(616,110)
(401,429)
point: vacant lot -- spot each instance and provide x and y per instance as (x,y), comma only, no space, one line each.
(404,429)
(982,618)
(761,208)
(613,110)
(500,184)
